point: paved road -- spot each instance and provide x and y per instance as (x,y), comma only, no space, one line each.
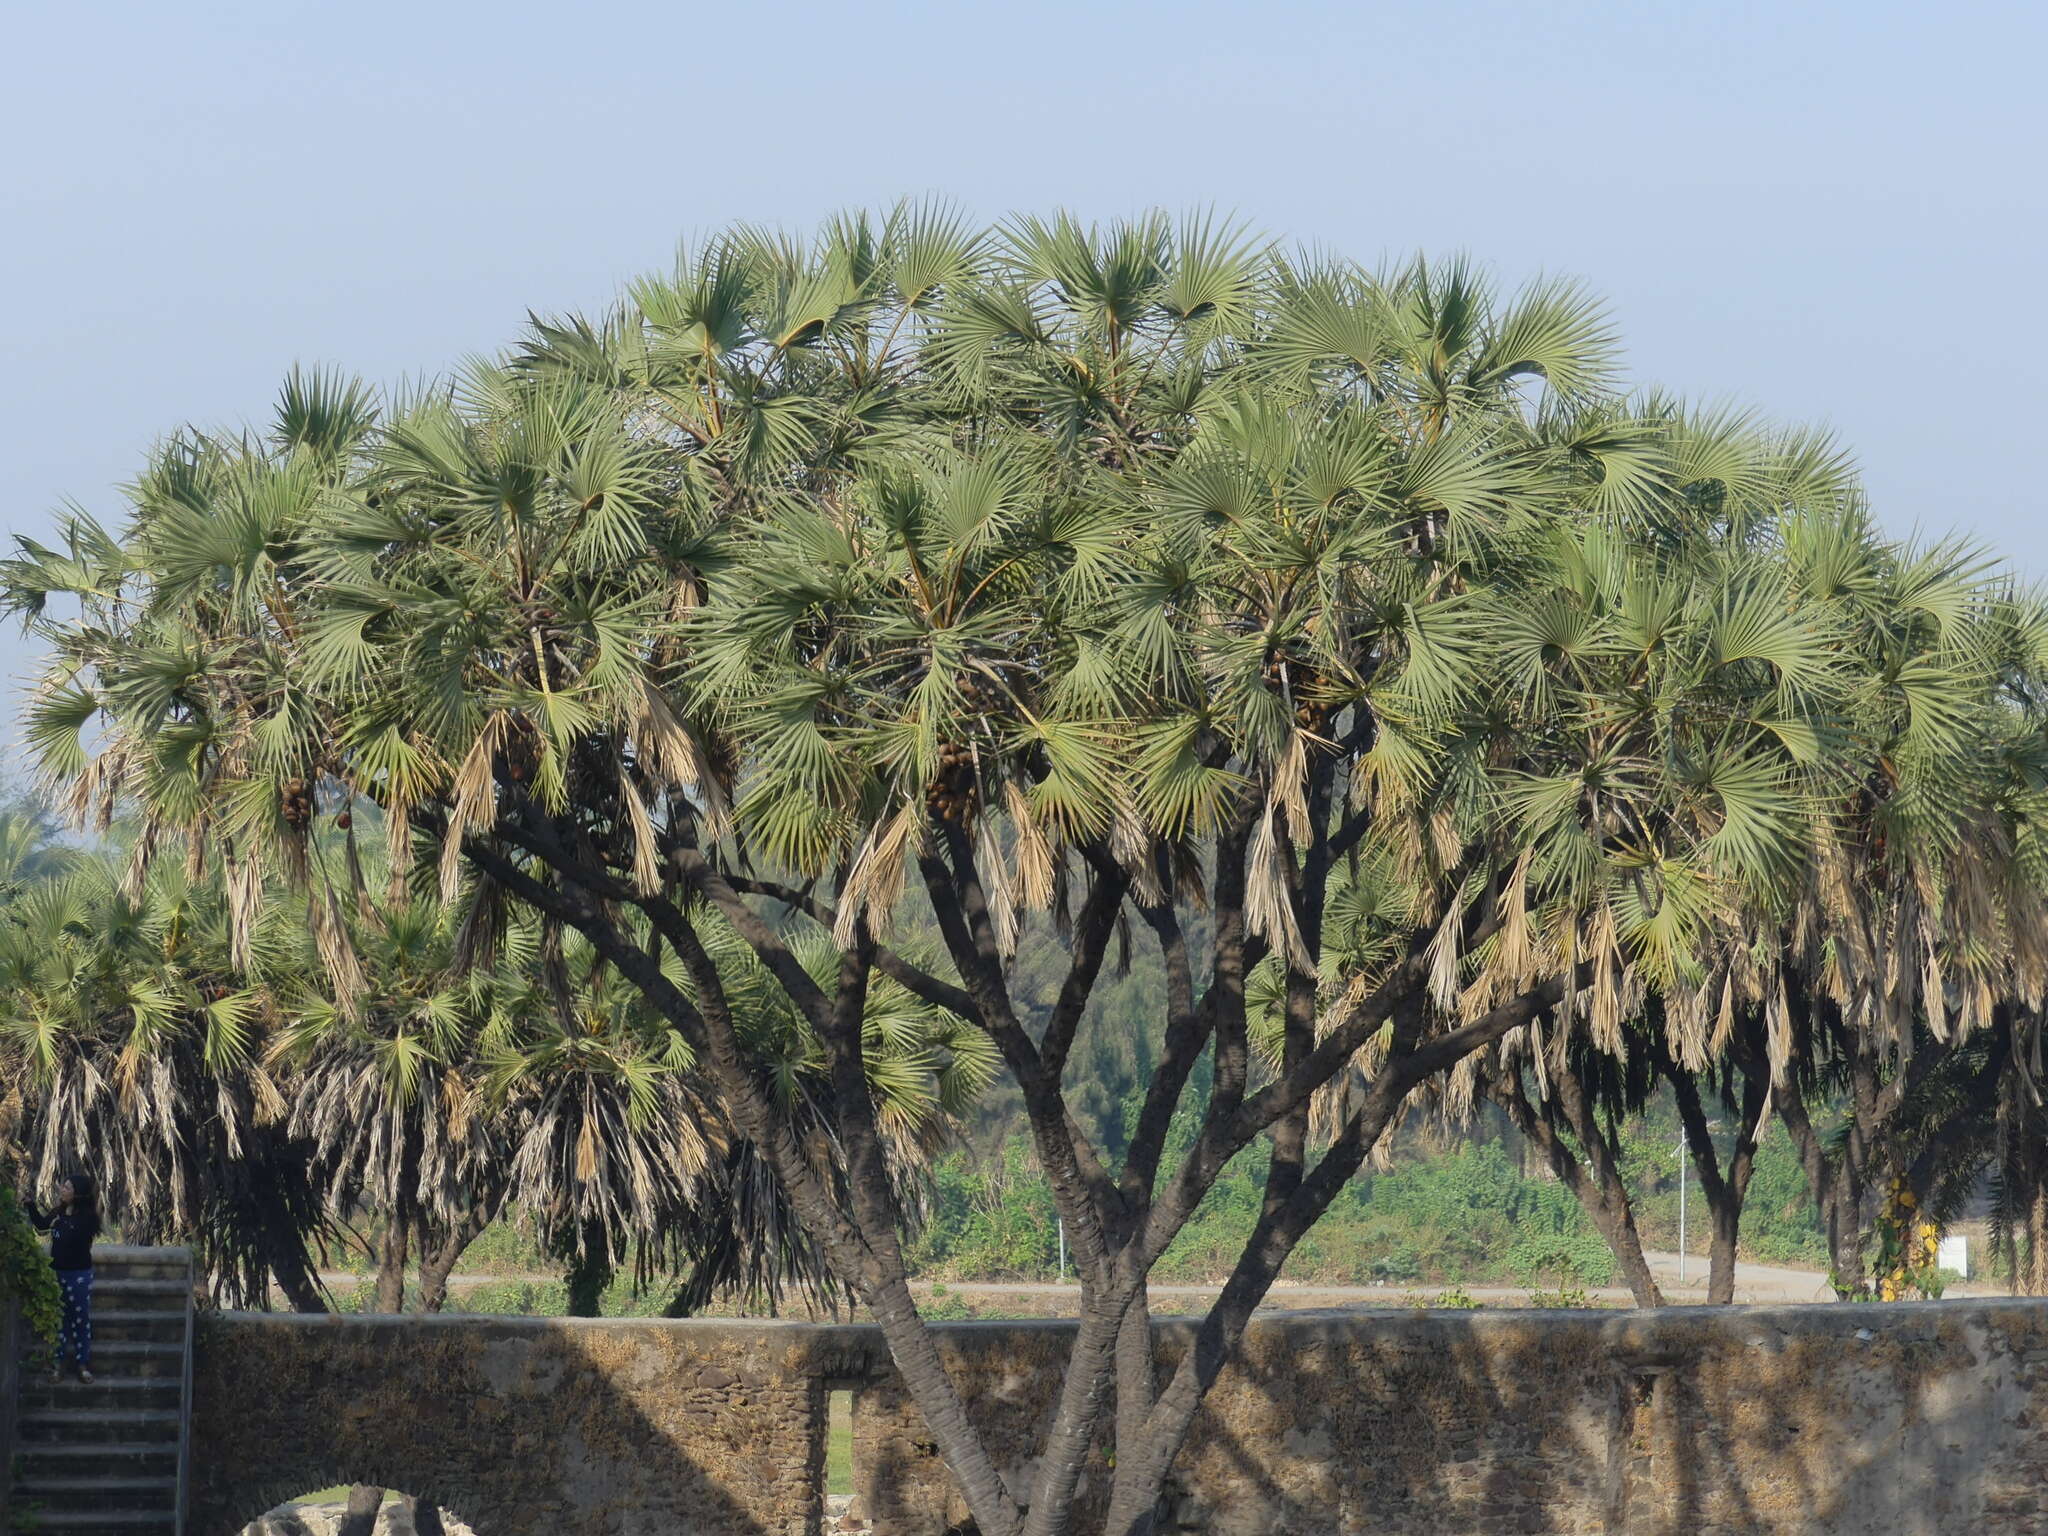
(1758,1283)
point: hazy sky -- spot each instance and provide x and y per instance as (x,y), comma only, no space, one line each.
(1832,212)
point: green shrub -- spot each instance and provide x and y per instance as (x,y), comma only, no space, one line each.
(944,1306)
(25,1274)
(1455,1300)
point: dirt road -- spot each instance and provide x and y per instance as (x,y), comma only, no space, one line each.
(1756,1284)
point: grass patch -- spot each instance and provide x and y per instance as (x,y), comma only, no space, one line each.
(839,1443)
(338,1495)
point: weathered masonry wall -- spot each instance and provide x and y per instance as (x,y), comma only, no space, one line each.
(1927,1418)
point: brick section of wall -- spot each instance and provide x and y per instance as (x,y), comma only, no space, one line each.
(1919,1420)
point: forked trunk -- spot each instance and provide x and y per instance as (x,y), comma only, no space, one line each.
(434,1272)
(438,1260)
(1725,1191)
(1595,1180)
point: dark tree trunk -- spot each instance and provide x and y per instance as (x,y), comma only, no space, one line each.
(1119,1221)
(296,1278)
(438,1258)
(1725,1191)
(1832,1178)
(364,1502)
(391,1257)
(1595,1182)
(435,1268)
(590,1272)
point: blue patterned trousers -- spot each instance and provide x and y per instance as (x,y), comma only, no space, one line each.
(76,1339)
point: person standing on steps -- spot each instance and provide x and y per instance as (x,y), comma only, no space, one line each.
(72,1227)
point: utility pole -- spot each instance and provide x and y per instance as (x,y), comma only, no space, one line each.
(1063,1249)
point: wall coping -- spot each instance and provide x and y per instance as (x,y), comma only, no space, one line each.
(1804,1318)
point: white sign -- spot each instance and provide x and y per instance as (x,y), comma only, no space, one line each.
(1954,1254)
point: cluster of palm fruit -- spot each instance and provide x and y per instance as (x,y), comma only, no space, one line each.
(954,792)
(295,804)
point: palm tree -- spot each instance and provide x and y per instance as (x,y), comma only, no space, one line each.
(1079,578)
(131,1046)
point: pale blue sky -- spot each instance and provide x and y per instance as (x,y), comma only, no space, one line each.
(1833,212)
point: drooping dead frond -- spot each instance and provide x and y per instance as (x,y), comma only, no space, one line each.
(474,797)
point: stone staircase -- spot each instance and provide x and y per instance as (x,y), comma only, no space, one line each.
(109,1459)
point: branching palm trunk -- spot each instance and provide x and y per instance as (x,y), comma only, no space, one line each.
(1724,1190)
(1118,1225)
(440,1254)
(1592,1174)
(437,1262)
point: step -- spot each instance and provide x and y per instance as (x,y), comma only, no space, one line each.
(110,1458)
(92,1522)
(141,1285)
(136,1357)
(159,1298)
(166,1263)
(155,1274)
(150,1358)
(88,1491)
(142,1263)
(131,1323)
(39,1393)
(78,1426)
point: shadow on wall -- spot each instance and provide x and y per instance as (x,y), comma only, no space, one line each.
(1913,1420)
(1921,1419)
(519,1427)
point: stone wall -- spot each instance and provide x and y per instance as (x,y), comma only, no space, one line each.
(519,1426)
(1926,1418)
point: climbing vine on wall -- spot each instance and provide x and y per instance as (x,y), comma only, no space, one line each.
(25,1273)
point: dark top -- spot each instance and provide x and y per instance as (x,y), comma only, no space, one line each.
(71,1235)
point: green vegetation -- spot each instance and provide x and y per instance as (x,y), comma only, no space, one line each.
(839,1444)
(26,1278)
(1466,1214)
